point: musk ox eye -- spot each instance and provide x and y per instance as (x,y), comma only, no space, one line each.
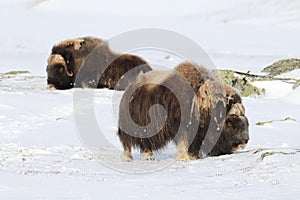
(61,70)
(229,124)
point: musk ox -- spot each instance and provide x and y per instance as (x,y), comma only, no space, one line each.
(201,115)
(69,58)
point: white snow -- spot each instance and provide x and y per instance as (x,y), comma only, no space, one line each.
(292,74)
(41,153)
(293,96)
(274,89)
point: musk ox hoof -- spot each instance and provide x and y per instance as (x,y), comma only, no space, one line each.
(193,157)
(238,147)
(127,157)
(148,156)
(183,156)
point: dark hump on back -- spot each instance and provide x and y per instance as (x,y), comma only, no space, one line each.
(78,47)
(128,62)
(195,74)
(90,43)
(74,51)
(167,85)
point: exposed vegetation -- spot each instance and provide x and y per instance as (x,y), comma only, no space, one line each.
(271,121)
(15,73)
(240,81)
(296,84)
(282,66)
(270,153)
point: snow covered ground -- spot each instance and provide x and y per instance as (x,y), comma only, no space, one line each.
(41,154)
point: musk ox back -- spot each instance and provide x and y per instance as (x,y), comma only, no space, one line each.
(106,69)
(69,58)
(195,114)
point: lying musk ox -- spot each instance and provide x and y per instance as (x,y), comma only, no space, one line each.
(69,58)
(201,115)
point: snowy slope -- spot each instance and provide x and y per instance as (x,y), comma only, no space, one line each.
(29,33)
(41,154)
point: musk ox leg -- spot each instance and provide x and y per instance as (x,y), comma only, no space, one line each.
(194,154)
(127,156)
(147,154)
(182,154)
(195,147)
(126,141)
(194,151)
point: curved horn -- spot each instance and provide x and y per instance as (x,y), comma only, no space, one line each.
(68,72)
(58,59)
(237,109)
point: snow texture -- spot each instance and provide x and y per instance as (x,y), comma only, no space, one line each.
(41,153)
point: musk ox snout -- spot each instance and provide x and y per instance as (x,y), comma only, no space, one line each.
(51,86)
(237,128)
(58,78)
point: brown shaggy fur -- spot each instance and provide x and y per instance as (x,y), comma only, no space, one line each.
(194,73)
(209,97)
(116,67)
(75,51)
(147,92)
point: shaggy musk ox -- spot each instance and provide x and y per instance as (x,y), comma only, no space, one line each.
(69,58)
(201,115)
(66,59)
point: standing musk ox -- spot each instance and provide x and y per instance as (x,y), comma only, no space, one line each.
(103,68)
(201,115)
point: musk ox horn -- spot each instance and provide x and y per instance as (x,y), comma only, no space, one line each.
(58,59)
(237,109)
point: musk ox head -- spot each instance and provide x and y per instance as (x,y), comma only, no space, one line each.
(235,132)
(236,129)
(236,122)
(223,124)
(59,76)
(236,126)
